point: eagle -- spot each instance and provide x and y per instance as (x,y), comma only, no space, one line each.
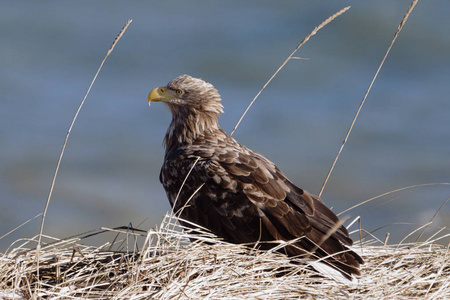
(238,194)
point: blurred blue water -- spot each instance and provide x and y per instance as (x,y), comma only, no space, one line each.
(50,52)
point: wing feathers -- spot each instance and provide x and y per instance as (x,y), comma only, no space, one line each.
(247,199)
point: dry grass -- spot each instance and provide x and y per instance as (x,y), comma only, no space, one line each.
(168,266)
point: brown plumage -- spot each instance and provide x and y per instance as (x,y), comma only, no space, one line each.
(242,196)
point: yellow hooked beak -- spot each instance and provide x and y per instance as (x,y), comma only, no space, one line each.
(160,94)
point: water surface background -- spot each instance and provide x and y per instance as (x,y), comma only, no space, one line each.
(51,50)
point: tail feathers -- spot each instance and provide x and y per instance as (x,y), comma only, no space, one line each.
(347,263)
(343,260)
(332,272)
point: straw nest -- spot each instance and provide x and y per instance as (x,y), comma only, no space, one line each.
(169,266)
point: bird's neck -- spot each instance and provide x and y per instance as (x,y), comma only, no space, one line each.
(187,128)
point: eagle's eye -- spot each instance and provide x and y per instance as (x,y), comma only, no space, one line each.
(179,92)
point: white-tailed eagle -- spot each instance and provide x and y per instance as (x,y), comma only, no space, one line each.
(237,193)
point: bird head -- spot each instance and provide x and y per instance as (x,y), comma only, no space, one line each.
(190,94)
